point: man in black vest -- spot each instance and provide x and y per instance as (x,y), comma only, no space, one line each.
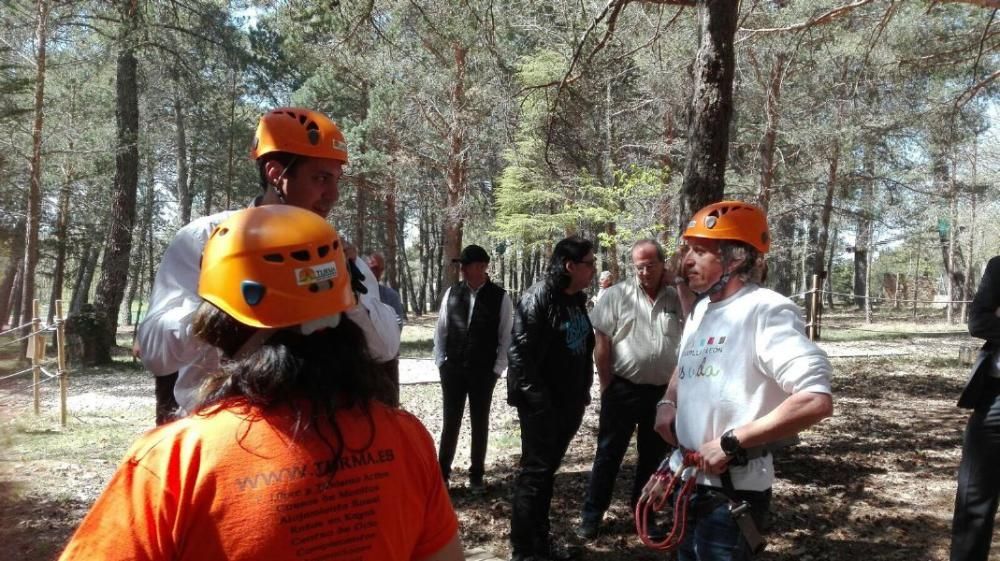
(979,471)
(470,348)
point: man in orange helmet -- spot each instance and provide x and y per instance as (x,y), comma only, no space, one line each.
(300,155)
(746,376)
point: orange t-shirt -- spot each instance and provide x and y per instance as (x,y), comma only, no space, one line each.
(220,487)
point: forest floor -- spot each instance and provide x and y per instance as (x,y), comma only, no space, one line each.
(875,482)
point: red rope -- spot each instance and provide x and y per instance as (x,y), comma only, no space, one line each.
(655,496)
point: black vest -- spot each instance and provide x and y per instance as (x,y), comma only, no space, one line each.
(473,347)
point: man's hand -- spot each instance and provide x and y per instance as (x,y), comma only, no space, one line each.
(664,425)
(713,460)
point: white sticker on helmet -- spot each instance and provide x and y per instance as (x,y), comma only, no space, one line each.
(316,273)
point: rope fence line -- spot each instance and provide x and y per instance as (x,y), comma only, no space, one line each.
(25,371)
(13,329)
(31,387)
(878,298)
(28,336)
(36,352)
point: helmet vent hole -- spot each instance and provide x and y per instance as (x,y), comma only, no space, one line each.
(323,250)
(301,255)
(253,292)
(322,286)
(335,245)
(302,119)
(274,258)
(313,287)
(313,137)
(223,231)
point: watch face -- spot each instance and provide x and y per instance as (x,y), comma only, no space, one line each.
(729,443)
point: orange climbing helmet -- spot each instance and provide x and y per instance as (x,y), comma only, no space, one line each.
(298,131)
(276,266)
(731,220)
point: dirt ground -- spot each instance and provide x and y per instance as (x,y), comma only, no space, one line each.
(876,481)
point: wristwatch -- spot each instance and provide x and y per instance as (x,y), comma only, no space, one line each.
(730,444)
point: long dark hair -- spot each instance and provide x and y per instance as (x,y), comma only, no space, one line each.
(573,248)
(313,375)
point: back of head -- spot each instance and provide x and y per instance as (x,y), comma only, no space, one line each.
(276,266)
(275,283)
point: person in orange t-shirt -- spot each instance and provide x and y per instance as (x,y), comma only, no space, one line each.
(288,457)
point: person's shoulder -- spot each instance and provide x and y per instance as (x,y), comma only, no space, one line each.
(200,228)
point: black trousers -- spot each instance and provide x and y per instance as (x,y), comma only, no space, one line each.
(625,408)
(978,480)
(166,404)
(546,431)
(456,386)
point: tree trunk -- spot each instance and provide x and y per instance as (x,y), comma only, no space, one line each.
(391,235)
(10,274)
(711,108)
(118,245)
(180,131)
(62,228)
(454,219)
(827,211)
(35,181)
(17,294)
(84,274)
(769,141)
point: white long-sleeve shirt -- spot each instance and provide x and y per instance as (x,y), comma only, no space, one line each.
(165,337)
(739,359)
(503,330)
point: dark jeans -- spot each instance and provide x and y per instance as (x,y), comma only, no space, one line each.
(624,407)
(546,431)
(456,385)
(978,480)
(712,533)
(166,404)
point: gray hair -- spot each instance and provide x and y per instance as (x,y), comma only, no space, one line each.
(751,259)
(660,254)
(605,275)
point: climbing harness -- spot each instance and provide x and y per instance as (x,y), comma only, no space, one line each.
(680,484)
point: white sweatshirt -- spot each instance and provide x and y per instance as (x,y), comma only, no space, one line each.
(740,358)
(165,337)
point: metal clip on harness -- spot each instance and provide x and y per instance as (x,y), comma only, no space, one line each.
(656,494)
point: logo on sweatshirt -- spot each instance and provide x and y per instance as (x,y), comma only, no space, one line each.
(706,346)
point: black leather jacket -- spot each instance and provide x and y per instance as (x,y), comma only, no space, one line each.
(551,351)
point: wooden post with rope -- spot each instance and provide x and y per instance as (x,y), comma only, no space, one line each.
(37,342)
(61,357)
(812,311)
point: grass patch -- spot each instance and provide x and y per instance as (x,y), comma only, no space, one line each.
(834,334)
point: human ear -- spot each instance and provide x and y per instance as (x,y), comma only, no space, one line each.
(273,170)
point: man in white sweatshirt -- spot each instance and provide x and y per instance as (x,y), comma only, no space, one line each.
(746,376)
(300,155)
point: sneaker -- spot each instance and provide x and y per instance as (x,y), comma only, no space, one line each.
(588,529)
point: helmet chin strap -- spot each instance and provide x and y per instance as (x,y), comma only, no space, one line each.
(720,284)
(277,182)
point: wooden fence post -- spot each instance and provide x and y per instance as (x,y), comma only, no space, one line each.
(812,310)
(61,354)
(36,367)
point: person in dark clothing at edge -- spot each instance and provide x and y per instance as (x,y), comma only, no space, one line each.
(470,348)
(549,376)
(978,481)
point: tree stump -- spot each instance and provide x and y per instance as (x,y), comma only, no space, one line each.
(84,333)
